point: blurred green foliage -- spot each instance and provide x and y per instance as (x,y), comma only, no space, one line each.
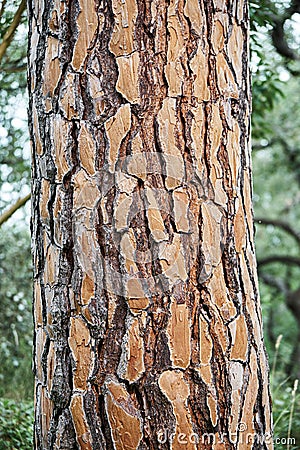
(16,317)
(16,425)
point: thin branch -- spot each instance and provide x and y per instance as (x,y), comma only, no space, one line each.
(19,203)
(7,38)
(257,146)
(283,259)
(14,69)
(280,224)
(277,283)
(278,34)
(2,8)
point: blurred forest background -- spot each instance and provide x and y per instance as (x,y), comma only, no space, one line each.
(275,53)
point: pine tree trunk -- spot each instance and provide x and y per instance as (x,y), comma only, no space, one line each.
(148,331)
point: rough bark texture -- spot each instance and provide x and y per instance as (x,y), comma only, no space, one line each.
(148,331)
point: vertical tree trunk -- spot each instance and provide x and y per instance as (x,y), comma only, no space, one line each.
(148,331)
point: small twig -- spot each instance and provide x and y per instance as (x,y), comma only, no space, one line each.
(292,413)
(284,259)
(276,283)
(279,224)
(277,345)
(278,34)
(2,8)
(19,203)
(7,38)
(15,69)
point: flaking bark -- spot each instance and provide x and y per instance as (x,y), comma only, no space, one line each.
(148,331)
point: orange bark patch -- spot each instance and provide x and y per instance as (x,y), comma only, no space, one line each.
(172,156)
(233,151)
(122,39)
(247,193)
(218,291)
(79,342)
(176,389)
(36,131)
(172,260)
(86,192)
(235,50)
(205,342)
(226,83)
(128,79)
(83,435)
(173,70)
(68,101)
(51,266)
(116,129)
(87,288)
(199,66)
(60,129)
(87,23)
(155,220)
(137,161)
(137,304)
(250,401)
(50,366)
(40,340)
(38,316)
(205,373)
(218,37)
(211,237)
(86,150)
(179,335)
(193,12)
(215,136)
(181,208)
(213,408)
(44,410)
(134,289)
(44,200)
(123,417)
(221,332)
(52,69)
(218,445)
(128,247)
(135,365)
(121,212)
(239,333)
(197,134)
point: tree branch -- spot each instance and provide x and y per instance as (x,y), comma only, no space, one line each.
(277,283)
(14,69)
(19,203)
(278,34)
(7,38)
(284,259)
(2,8)
(280,224)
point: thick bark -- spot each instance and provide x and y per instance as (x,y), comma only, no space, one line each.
(148,328)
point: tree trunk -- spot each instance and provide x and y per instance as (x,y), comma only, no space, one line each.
(148,331)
